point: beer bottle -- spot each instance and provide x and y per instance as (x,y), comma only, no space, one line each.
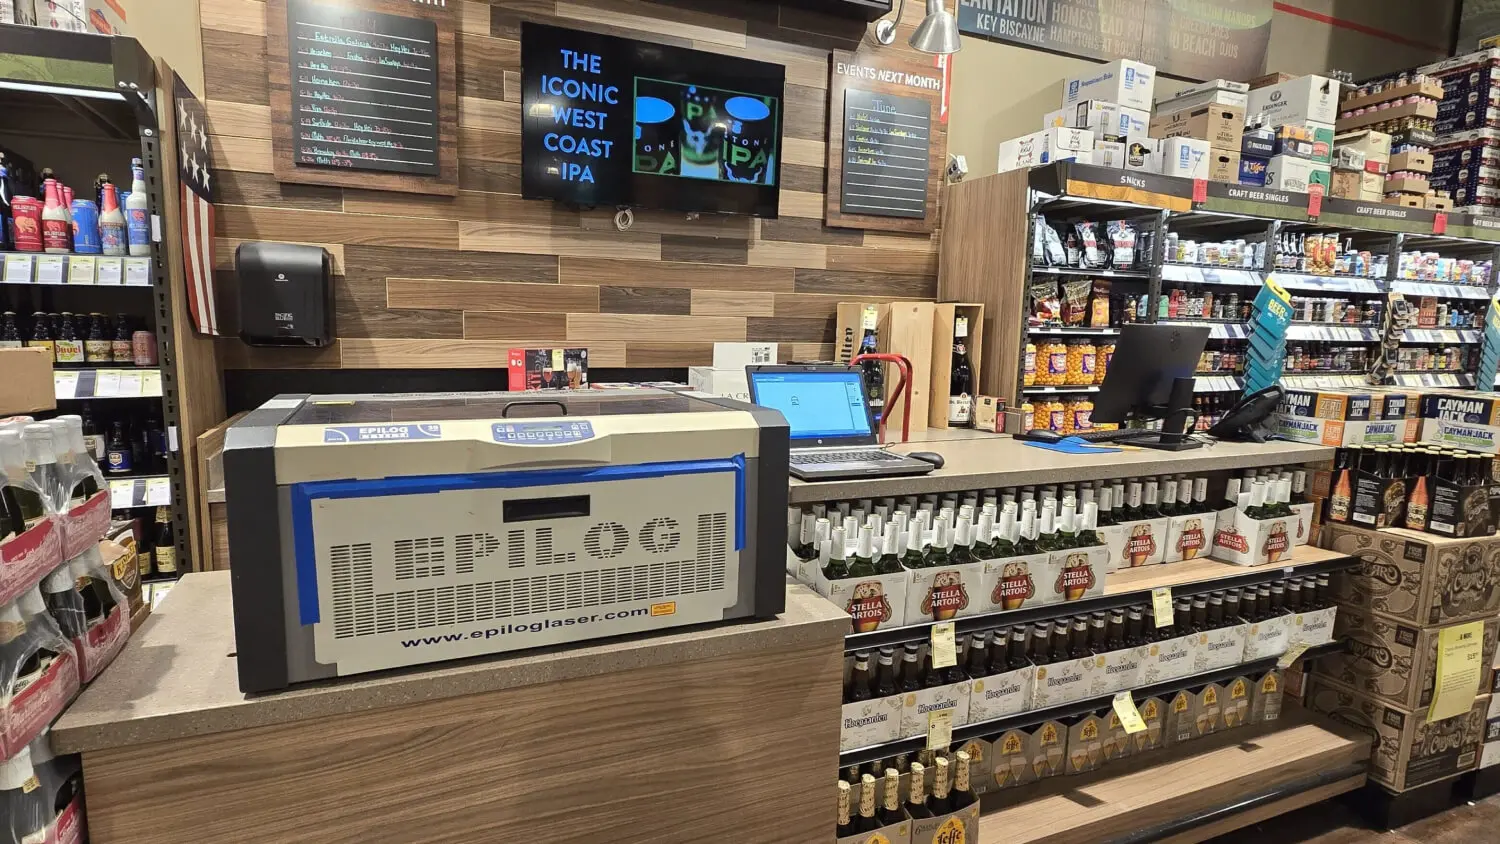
(1078,641)
(890,811)
(1027,544)
(1182,617)
(1278,599)
(1232,607)
(982,545)
(799,527)
(1231,494)
(999,651)
(1168,496)
(1106,506)
(1016,660)
(942,541)
(963,792)
(1047,539)
(845,825)
(1060,640)
(1198,618)
(914,558)
(1325,593)
(1135,629)
(1299,487)
(1098,633)
(1067,534)
(979,656)
(23,502)
(1215,610)
(885,673)
(1134,510)
(955,672)
(961,549)
(1004,544)
(916,801)
(867,821)
(890,560)
(942,799)
(851,776)
(1041,642)
(1088,533)
(911,669)
(1263,601)
(863,564)
(859,679)
(1294,595)
(1115,638)
(838,565)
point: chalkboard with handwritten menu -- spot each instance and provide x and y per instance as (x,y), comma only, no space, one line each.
(887,144)
(365,94)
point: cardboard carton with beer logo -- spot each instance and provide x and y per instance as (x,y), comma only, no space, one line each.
(1239,693)
(1085,743)
(1118,670)
(873,603)
(1266,696)
(1246,541)
(1117,743)
(1153,711)
(1208,710)
(868,722)
(1267,638)
(944,592)
(1178,724)
(1015,582)
(1220,648)
(1467,419)
(999,695)
(1393,661)
(1076,573)
(915,706)
(1418,577)
(1314,627)
(1168,659)
(1064,682)
(1135,544)
(1189,537)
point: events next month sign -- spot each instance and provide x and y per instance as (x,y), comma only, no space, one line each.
(1197,39)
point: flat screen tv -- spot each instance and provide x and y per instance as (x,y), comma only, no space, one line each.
(616,122)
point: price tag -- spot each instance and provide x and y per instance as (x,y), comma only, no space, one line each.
(1440,222)
(1130,717)
(65,384)
(944,654)
(130,384)
(939,729)
(109,270)
(121,494)
(1314,204)
(81,269)
(1161,606)
(1460,661)
(557,360)
(50,269)
(1292,655)
(1200,190)
(151,382)
(107,384)
(137,272)
(18,268)
(158,491)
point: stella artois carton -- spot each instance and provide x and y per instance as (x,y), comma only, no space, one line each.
(943,593)
(1153,711)
(1085,743)
(960,827)
(1168,659)
(1266,696)
(1189,537)
(1000,695)
(1076,573)
(1239,695)
(915,706)
(1119,670)
(1135,544)
(1178,724)
(873,603)
(869,722)
(1307,514)
(1062,682)
(1244,541)
(1393,661)
(1418,577)
(1408,750)
(1268,638)
(1208,710)
(1220,648)
(1469,420)
(1012,583)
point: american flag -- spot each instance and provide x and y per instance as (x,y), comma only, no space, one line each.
(195,173)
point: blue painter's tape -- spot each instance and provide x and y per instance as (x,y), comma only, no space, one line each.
(302,495)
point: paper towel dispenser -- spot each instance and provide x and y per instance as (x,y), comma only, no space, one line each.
(286,294)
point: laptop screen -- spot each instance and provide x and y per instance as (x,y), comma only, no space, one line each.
(817,405)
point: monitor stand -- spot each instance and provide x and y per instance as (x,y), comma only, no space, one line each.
(1174,434)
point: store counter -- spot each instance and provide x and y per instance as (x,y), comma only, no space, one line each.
(998,460)
(729,725)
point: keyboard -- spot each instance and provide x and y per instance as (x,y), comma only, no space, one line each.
(1107,436)
(868,456)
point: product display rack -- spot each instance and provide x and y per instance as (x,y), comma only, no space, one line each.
(104,87)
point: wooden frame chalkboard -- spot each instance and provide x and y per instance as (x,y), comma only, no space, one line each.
(396,68)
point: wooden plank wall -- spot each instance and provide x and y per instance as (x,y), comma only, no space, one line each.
(444,282)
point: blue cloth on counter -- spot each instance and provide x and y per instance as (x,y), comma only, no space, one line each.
(1072,445)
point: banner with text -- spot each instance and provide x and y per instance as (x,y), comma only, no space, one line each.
(1196,39)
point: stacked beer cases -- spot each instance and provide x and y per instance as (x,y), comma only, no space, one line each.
(1408,588)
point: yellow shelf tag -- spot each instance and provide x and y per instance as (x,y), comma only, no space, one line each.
(1161,606)
(939,729)
(1130,717)
(1460,663)
(1293,654)
(944,654)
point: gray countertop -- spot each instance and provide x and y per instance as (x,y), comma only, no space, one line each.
(998,460)
(177,677)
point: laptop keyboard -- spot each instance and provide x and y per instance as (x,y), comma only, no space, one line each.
(843,457)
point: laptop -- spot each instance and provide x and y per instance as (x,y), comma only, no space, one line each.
(833,434)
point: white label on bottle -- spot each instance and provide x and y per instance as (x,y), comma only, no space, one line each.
(960,409)
(50,269)
(18,268)
(868,319)
(109,270)
(68,351)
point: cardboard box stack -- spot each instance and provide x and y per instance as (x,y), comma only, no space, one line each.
(1466,166)
(1361,161)
(1393,609)
(1300,114)
(1200,130)
(1103,119)
(1399,104)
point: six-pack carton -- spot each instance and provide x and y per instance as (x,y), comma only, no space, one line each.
(873,603)
(1346,417)
(1467,420)
(1245,541)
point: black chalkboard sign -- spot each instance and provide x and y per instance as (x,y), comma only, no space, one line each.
(887,143)
(364,89)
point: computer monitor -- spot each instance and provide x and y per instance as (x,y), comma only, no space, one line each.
(823,403)
(1151,375)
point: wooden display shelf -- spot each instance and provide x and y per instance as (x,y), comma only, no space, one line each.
(1205,571)
(1190,792)
(1419,109)
(1431,90)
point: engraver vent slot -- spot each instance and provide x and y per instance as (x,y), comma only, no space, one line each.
(606,540)
(423,557)
(661,535)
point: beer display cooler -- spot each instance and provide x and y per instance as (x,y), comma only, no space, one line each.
(90,466)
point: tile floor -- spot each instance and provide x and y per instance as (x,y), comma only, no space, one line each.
(1333,823)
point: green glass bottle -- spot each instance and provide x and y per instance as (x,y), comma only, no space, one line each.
(1067,530)
(1088,531)
(961,549)
(1005,544)
(942,543)
(863,564)
(1151,504)
(889,561)
(1134,511)
(1168,488)
(914,558)
(1026,545)
(1047,532)
(838,565)
(1257,508)
(983,545)
(1106,505)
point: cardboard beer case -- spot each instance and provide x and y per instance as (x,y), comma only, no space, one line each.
(915,706)
(1085,743)
(1244,541)
(1306,515)
(1116,671)
(1459,510)
(1139,543)
(1408,751)
(952,828)
(1168,660)
(1064,682)
(943,593)
(1153,711)
(1266,697)
(1418,577)
(1208,710)
(1076,573)
(1469,420)
(981,765)
(1238,697)
(1315,627)
(1000,695)
(1344,417)
(1117,743)
(1189,537)
(1268,638)
(869,722)
(1489,753)
(1027,754)
(873,603)
(1220,648)
(1393,661)
(1012,583)
(896,833)
(1179,718)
